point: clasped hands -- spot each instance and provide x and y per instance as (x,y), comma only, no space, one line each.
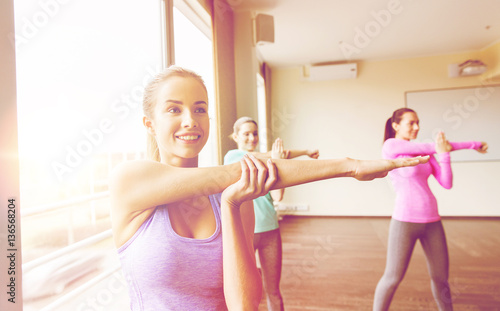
(443,145)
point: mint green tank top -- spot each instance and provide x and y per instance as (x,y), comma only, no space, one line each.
(266,218)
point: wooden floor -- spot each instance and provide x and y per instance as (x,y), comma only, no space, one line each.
(334,263)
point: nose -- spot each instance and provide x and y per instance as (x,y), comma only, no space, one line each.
(252,138)
(188,121)
(416,127)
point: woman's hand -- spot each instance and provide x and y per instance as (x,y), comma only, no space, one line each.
(371,169)
(442,145)
(313,153)
(278,152)
(483,148)
(256,180)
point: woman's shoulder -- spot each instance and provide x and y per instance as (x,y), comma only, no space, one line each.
(128,168)
(397,142)
(390,143)
(133,171)
(393,147)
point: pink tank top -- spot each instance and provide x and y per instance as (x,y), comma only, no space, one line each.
(414,199)
(165,271)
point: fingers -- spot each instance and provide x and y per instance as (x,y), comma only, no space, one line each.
(275,145)
(423,159)
(314,154)
(252,177)
(403,162)
(266,177)
(279,142)
(277,149)
(440,137)
(272,177)
(245,170)
(483,148)
(259,174)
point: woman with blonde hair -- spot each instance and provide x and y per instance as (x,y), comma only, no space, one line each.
(184,234)
(267,237)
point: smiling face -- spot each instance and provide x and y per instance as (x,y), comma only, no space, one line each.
(247,137)
(180,122)
(408,127)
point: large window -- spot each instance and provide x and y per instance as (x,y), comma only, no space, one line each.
(261,110)
(81,70)
(193,50)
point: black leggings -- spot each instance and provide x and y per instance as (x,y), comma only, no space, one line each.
(402,239)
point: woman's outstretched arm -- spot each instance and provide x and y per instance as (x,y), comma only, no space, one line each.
(287,153)
(140,186)
(396,147)
(147,184)
(293,172)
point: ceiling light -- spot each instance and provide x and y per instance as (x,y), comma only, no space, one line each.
(470,67)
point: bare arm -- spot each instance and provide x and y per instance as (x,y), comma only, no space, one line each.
(143,185)
(292,172)
(137,187)
(312,153)
(146,184)
(278,152)
(242,282)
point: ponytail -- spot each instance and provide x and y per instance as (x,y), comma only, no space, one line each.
(389,130)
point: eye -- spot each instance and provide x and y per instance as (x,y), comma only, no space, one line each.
(200,110)
(173,110)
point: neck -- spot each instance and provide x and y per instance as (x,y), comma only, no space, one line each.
(180,162)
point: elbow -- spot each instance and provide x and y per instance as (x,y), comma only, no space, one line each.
(278,198)
(277,195)
(448,185)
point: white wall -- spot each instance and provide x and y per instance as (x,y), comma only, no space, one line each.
(347,117)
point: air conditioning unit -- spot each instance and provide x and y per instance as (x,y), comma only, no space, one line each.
(330,72)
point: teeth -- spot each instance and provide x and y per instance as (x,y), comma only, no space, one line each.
(191,137)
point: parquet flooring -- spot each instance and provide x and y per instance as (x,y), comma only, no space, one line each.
(334,263)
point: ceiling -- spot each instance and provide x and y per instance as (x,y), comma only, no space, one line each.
(319,31)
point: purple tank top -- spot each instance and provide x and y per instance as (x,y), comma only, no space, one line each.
(165,271)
